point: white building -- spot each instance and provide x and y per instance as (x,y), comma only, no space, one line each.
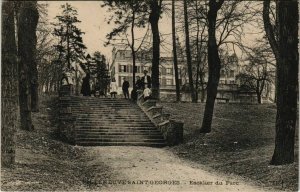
(122,67)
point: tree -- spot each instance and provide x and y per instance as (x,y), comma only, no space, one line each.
(287,75)
(70,46)
(127,14)
(155,12)
(9,89)
(214,65)
(28,19)
(271,29)
(175,53)
(101,72)
(257,73)
(48,71)
(188,52)
(200,12)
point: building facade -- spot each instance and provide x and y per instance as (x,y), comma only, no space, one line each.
(122,67)
(229,84)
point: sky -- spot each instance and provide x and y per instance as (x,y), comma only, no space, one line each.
(93,19)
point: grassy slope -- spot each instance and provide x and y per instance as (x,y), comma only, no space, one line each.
(241,142)
(45,163)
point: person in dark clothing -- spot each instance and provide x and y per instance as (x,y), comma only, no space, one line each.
(146,80)
(139,84)
(125,87)
(134,95)
(85,88)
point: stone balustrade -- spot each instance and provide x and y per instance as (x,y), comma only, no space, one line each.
(171,129)
(66,118)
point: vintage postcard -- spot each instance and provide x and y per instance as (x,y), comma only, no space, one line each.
(149,95)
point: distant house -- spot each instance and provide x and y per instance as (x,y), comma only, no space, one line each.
(229,85)
(122,67)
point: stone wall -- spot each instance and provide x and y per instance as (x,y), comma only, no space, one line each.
(171,129)
(66,118)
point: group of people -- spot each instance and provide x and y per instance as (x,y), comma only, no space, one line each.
(142,84)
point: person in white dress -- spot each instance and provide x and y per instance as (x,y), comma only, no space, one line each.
(147,94)
(113,88)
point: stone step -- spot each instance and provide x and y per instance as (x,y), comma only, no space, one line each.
(107,122)
(145,144)
(118,139)
(116,118)
(104,112)
(111,116)
(112,120)
(113,129)
(81,137)
(114,125)
(119,133)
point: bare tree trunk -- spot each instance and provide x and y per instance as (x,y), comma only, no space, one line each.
(132,48)
(175,53)
(287,68)
(188,52)
(258,93)
(270,33)
(33,68)
(155,6)
(202,88)
(9,86)
(28,20)
(214,66)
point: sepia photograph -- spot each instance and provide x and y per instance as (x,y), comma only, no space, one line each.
(150,95)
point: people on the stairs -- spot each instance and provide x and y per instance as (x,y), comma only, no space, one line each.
(113,88)
(85,88)
(138,84)
(147,94)
(146,80)
(125,87)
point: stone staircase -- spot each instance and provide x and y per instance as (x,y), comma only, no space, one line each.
(107,121)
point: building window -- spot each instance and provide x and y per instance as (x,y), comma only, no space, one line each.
(169,82)
(232,82)
(163,82)
(169,71)
(222,75)
(163,71)
(123,68)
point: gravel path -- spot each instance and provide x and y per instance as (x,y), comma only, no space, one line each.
(153,169)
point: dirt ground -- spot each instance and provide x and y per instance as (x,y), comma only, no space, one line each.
(43,162)
(154,169)
(241,142)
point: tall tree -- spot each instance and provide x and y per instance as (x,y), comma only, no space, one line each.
(287,74)
(214,65)
(188,52)
(34,85)
(70,45)
(127,14)
(271,32)
(9,85)
(101,72)
(175,52)
(155,12)
(257,73)
(28,19)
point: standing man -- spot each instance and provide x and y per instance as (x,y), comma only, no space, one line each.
(125,87)
(85,88)
(139,84)
(146,80)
